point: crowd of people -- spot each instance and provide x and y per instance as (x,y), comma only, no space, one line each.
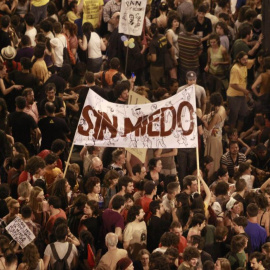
(108,209)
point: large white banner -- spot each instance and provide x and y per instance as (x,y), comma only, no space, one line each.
(132,17)
(171,123)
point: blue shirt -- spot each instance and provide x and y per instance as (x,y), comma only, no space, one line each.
(257,236)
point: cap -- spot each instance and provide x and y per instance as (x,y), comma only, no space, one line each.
(230,203)
(191,75)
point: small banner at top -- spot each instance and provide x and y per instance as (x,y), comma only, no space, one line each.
(132,17)
(170,123)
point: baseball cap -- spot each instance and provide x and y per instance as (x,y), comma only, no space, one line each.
(191,75)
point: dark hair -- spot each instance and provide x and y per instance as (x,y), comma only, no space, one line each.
(137,168)
(261,201)
(260,120)
(26,211)
(240,185)
(232,143)
(202,8)
(239,56)
(222,188)
(94,207)
(169,239)
(190,25)
(197,219)
(154,206)
(55,202)
(110,175)
(119,89)
(71,27)
(258,255)
(250,14)
(91,182)
(238,242)
(20,102)
(187,181)
(59,190)
(190,253)
(172,251)
(208,265)
(72,5)
(224,16)
(117,202)
(197,240)
(33,164)
(221,232)
(49,87)
(29,18)
(149,186)
(61,232)
(57,27)
(252,210)
(50,158)
(5,21)
(58,145)
(39,50)
(241,221)
(153,163)
(46,26)
(224,26)
(217,38)
(18,161)
(154,28)
(51,9)
(114,63)
(89,77)
(25,41)
(171,18)
(123,181)
(133,212)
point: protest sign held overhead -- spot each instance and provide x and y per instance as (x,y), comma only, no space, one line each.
(20,232)
(170,123)
(132,17)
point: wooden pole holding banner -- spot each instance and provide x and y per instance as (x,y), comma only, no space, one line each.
(127,56)
(69,156)
(198,169)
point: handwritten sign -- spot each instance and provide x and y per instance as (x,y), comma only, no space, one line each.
(20,232)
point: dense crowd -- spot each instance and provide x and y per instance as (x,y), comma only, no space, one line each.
(106,209)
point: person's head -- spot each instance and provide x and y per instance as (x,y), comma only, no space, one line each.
(54,202)
(39,50)
(202,10)
(250,15)
(46,26)
(173,188)
(222,188)
(121,91)
(208,265)
(118,156)
(3,108)
(24,189)
(50,90)
(190,25)
(238,243)
(29,19)
(223,264)
(61,188)
(126,183)
(172,255)
(266,249)
(233,206)
(221,28)
(89,77)
(115,63)
(252,210)
(111,178)
(124,264)
(31,256)
(58,146)
(176,228)
(51,159)
(174,84)
(36,197)
(28,93)
(261,151)
(259,121)
(240,185)
(222,174)
(139,171)
(13,207)
(73,5)
(5,21)
(18,162)
(156,207)
(57,28)
(191,77)
(35,166)
(214,40)
(242,58)
(26,65)
(91,208)
(150,188)
(70,28)
(61,232)
(118,202)
(11,261)
(256,260)
(261,201)
(198,220)
(216,99)
(93,185)
(20,102)
(233,147)
(155,164)
(26,212)
(135,213)
(143,257)
(129,200)
(111,240)
(239,223)
(191,256)
(190,183)
(169,239)
(173,21)
(221,233)
(97,165)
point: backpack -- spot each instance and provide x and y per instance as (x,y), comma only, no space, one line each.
(60,264)
(236,264)
(66,56)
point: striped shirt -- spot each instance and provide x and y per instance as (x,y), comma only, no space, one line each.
(227,160)
(190,46)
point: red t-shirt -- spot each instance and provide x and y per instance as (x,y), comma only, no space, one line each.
(144,202)
(51,220)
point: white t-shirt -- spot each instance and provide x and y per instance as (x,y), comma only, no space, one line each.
(59,43)
(61,249)
(94,46)
(200,92)
(32,34)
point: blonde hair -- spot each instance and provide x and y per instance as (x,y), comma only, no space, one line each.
(11,202)
(224,264)
(24,189)
(33,203)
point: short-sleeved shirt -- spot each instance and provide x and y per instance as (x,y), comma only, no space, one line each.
(91,11)
(58,103)
(238,76)
(21,124)
(159,46)
(205,28)
(111,220)
(238,46)
(52,219)
(61,249)
(227,160)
